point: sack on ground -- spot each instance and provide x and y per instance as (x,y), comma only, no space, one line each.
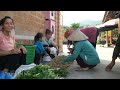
(23,67)
(53,50)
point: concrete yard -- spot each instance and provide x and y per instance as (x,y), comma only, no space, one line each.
(105,54)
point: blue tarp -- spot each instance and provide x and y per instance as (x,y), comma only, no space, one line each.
(5,75)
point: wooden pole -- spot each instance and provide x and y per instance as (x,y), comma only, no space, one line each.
(107,35)
(106,38)
(111,37)
(119,26)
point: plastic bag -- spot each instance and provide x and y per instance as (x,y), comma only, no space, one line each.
(23,67)
(63,54)
(47,58)
(53,50)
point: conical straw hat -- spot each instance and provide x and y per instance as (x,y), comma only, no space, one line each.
(68,33)
(77,35)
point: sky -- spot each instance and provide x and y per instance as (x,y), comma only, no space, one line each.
(77,16)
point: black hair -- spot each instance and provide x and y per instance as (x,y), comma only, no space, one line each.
(69,43)
(37,36)
(48,31)
(2,21)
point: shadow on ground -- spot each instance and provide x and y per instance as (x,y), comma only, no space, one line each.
(97,73)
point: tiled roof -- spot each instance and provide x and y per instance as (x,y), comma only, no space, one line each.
(110,14)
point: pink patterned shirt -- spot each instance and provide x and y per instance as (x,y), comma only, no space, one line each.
(6,42)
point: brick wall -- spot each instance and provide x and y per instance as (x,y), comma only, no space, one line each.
(27,23)
(59,34)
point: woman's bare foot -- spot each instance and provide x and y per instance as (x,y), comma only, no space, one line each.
(85,69)
(110,66)
(82,69)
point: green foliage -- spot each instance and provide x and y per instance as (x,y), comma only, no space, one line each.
(81,27)
(75,25)
(98,40)
(65,28)
(87,26)
(42,72)
(115,32)
(61,72)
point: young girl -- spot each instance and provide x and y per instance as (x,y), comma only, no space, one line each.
(10,56)
(40,51)
(83,50)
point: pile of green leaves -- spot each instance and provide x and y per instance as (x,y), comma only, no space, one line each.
(42,72)
(61,72)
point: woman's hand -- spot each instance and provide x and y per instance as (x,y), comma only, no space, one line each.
(46,54)
(48,48)
(24,49)
(63,62)
(15,51)
(70,49)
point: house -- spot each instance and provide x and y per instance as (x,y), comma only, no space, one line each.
(28,23)
(108,16)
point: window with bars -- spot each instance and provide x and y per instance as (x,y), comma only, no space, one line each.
(52,13)
(52,29)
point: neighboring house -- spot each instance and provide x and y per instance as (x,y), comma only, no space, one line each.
(28,23)
(50,21)
(108,16)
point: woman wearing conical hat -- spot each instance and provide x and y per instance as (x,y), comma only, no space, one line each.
(83,50)
(92,32)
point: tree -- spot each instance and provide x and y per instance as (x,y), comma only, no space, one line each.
(81,27)
(115,33)
(75,25)
(87,25)
(65,28)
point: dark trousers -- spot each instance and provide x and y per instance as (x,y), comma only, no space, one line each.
(117,48)
(48,51)
(13,61)
(82,64)
(51,55)
(38,58)
(94,43)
